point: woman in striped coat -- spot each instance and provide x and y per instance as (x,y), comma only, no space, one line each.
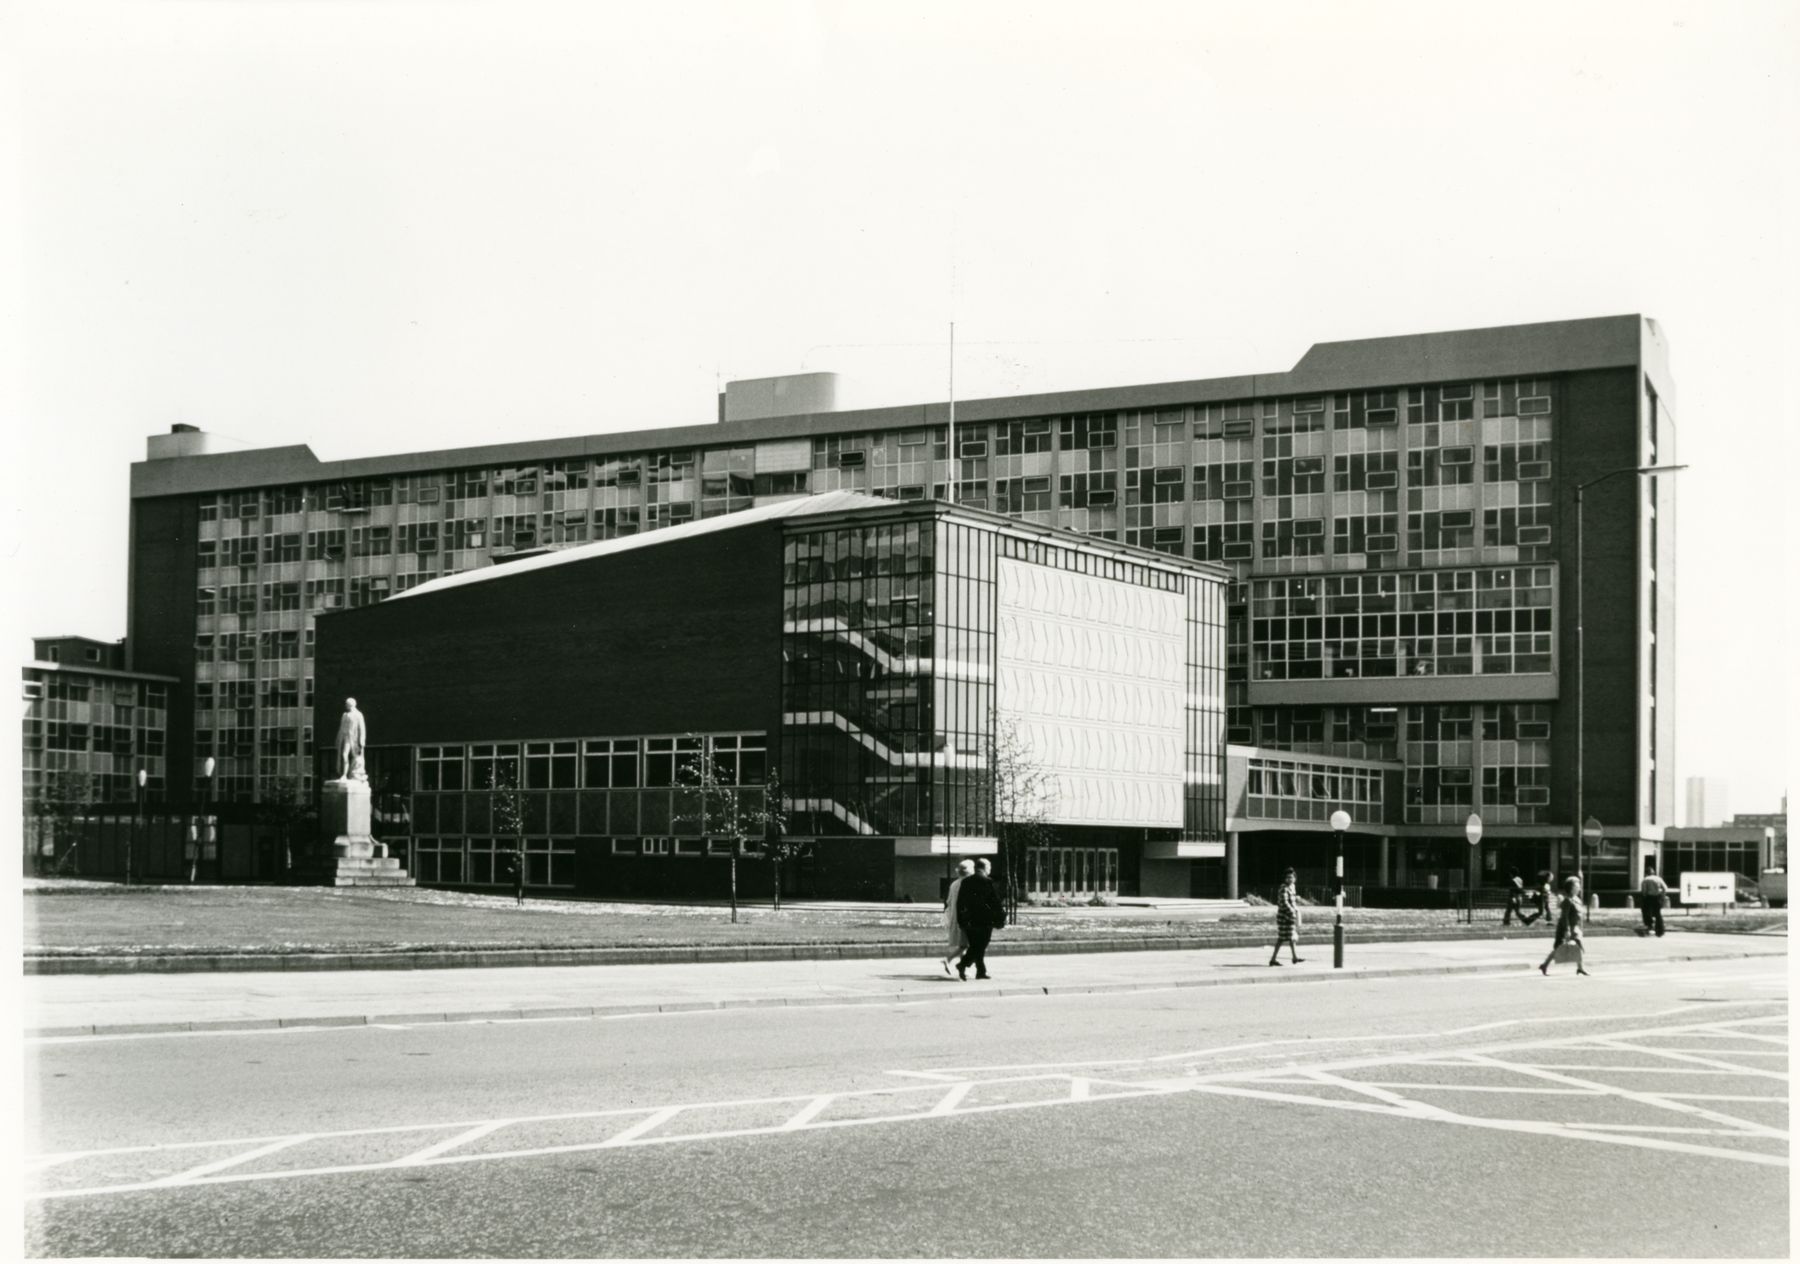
(1287,921)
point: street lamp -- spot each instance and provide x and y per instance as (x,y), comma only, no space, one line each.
(1340,821)
(200,833)
(143,779)
(1580,655)
(1472,829)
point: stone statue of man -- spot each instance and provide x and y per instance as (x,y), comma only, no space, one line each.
(352,736)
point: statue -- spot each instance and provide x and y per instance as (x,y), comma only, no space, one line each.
(352,736)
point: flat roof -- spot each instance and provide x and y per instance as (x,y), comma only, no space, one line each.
(822,509)
(1412,359)
(88,669)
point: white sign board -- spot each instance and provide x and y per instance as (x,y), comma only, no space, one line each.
(1709,888)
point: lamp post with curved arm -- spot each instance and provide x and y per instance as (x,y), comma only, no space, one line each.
(1580,816)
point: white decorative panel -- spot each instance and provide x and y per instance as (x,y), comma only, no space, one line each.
(783,456)
(1092,673)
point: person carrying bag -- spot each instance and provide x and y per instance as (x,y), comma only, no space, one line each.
(1568,946)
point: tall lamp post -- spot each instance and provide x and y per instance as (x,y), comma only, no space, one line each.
(143,779)
(1472,830)
(201,833)
(1340,821)
(1580,816)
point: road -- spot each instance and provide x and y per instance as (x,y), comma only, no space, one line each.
(1643,1111)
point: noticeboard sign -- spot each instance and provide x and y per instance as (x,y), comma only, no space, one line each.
(1708,888)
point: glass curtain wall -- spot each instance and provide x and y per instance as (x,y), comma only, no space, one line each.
(887,678)
(1204,812)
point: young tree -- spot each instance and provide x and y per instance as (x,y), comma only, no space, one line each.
(509,820)
(1021,796)
(721,809)
(777,847)
(58,808)
(281,809)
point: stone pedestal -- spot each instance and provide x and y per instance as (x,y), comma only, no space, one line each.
(357,859)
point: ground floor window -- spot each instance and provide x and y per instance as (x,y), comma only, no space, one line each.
(1071,872)
(480,862)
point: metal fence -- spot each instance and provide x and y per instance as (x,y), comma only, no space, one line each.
(163,846)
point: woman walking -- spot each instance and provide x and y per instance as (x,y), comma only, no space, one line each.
(1287,921)
(954,939)
(1568,930)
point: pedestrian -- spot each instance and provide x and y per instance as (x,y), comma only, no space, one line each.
(979,913)
(1568,945)
(1540,898)
(1515,901)
(1287,921)
(953,933)
(1653,894)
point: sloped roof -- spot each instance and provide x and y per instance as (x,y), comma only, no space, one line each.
(797,507)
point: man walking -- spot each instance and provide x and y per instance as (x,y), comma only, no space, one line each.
(1515,901)
(1540,898)
(979,913)
(1653,893)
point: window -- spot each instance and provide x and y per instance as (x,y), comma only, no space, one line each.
(610,763)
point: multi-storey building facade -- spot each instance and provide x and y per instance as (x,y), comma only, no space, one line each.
(90,724)
(1397,513)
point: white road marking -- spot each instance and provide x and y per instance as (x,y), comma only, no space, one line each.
(655,1120)
(1729,1068)
(951,1100)
(194,1174)
(449,1143)
(1646,1099)
(945,1097)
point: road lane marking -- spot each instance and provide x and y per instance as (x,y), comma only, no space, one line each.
(947,1098)
(951,1100)
(450,1143)
(1729,1068)
(193,1174)
(1646,1099)
(808,1112)
(656,1120)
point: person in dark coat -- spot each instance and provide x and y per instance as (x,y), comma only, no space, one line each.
(1540,899)
(979,913)
(1653,893)
(1568,928)
(1515,901)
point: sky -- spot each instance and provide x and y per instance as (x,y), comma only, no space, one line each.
(380,227)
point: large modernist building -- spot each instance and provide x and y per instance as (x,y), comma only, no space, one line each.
(913,672)
(1397,517)
(91,725)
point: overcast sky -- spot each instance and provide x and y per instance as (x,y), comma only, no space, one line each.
(380,227)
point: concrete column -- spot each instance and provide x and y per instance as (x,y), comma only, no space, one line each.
(1382,864)
(1400,862)
(1231,866)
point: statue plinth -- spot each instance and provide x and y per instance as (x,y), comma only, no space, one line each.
(357,857)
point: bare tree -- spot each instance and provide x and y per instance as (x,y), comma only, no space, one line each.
(1021,795)
(509,820)
(57,809)
(280,808)
(720,809)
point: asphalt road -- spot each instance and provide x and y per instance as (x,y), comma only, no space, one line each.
(1643,1111)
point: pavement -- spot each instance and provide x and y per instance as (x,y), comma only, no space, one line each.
(126,1004)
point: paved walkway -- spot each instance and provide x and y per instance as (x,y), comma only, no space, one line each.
(102,1004)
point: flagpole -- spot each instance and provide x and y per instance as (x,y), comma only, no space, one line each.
(950,445)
